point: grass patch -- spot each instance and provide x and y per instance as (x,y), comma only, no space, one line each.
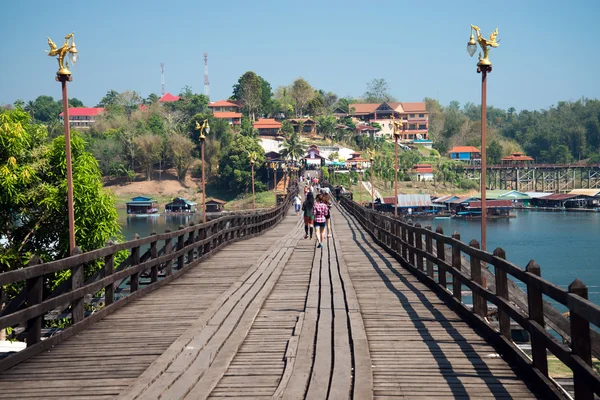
(244,202)
(556,369)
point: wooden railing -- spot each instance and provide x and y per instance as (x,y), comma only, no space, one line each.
(413,245)
(181,250)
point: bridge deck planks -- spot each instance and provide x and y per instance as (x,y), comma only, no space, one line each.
(405,342)
(119,348)
(418,346)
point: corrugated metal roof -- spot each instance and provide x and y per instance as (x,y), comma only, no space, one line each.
(414,200)
(461,200)
(491,204)
(441,199)
(585,192)
(503,194)
(559,196)
(537,195)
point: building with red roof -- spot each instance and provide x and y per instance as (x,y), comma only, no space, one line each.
(267,127)
(82,117)
(465,153)
(421,172)
(227,109)
(516,158)
(414,116)
(168,98)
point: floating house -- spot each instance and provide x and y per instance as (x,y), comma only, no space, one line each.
(576,198)
(215,205)
(180,204)
(142,205)
(408,204)
(494,208)
(519,199)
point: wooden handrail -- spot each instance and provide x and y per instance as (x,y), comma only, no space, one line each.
(183,249)
(404,241)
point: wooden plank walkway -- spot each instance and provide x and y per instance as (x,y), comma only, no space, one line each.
(103,360)
(419,347)
(273,317)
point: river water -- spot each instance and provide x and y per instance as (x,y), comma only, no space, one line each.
(565,244)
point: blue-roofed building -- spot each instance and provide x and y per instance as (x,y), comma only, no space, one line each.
(142,205)
(179,204)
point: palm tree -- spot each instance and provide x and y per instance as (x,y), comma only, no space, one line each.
(30,108)
(292,147)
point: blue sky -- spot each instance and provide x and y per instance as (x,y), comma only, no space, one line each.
(547,51)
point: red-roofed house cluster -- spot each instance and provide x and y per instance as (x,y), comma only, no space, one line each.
(229,110)
(414,116)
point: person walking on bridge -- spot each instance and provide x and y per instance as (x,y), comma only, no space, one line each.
(321,211)
(309,214)
(297,204)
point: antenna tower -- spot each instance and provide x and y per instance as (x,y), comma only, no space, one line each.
(206,82)
(162,78)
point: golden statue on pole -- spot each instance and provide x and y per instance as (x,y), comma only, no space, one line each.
(66,48)
(484,43)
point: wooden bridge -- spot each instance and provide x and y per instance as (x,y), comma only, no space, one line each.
(244,307)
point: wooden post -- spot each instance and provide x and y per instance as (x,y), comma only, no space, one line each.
(180,245)
(168,246)
(535,304)
(134,283)
(109,268)
(479,302)
(580,342)
(441,255)
(429,250)
(77,282)
(191,240)
(153,256)
(411,242)
(404,242)
(502,291)
(419,245)
(456,264)
(35,288)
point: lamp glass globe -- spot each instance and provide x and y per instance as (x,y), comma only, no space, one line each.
(471,48)
(207,129)
(73,57)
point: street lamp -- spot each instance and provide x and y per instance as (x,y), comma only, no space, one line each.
(483,66)
(371,154)
(63,75)
(395,126)
(253,156)
(204,128)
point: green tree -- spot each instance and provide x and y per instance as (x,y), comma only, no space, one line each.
(286,128)
(33,192)
(247,129)
(326,125)
(179,150)
(110,98)
(249,91)
(494,153)
(378,91)
(75,102)
(266,95)
(148,151)
(46,109)
(316,105)
(301,93)
(234,164)
(292,147)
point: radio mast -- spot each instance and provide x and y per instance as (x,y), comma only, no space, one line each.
(206,82)
(162,79)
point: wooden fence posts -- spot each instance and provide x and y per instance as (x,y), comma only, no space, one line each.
(502,292)
(535,305)
(34,297)
(479,302)
(134,283)
(441,255)
(153,255)
(419,246)
(76,282)
(429,250)
(109,268)
(580,342)
(456,265)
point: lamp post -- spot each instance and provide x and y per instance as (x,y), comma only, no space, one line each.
(395,126)
(483,67)
(204,128)
(371,154)
(63,75)
(252,156)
